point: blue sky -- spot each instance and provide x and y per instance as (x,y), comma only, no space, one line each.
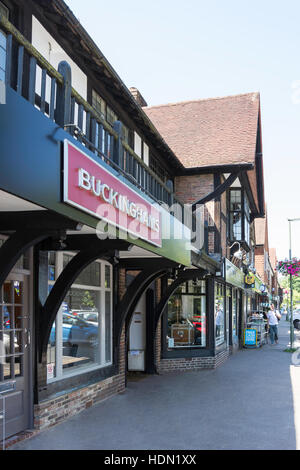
(176,51)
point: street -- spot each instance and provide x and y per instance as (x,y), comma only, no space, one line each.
(251,402)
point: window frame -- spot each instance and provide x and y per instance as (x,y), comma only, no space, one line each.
(190,347)
(245,216)
(60,373)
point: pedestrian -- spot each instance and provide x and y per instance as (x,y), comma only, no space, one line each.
(273,318)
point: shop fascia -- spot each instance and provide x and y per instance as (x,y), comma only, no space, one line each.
(89,182)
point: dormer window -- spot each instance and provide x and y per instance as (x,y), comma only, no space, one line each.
(239,216)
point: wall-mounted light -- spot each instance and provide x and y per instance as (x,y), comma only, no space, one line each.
(239,253)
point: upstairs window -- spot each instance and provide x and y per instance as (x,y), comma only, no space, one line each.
(99,104)
(111,116)
(239,216)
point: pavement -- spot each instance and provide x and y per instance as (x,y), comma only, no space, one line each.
(252,402)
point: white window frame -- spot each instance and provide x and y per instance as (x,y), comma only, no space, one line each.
(60,373)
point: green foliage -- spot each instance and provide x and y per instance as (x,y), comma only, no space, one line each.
(87,300)
(285,284)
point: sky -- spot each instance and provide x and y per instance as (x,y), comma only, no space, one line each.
(176,51)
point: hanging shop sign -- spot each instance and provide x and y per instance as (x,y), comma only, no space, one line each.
(263,289)
(92,188)
(233,274)
(249,280)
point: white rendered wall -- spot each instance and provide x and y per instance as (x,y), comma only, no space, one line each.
(51,50)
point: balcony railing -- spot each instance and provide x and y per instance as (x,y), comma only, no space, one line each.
(51,91)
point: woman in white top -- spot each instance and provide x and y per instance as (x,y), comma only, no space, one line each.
(273,324)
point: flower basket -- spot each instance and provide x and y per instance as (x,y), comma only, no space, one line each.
(288,267)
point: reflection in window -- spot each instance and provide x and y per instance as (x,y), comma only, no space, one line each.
(234,312)
(81,334)
(187,316)
(219,314)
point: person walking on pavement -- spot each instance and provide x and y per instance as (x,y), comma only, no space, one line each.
(273,318)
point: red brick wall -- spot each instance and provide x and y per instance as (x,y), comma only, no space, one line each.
(189,189)
(54,411)
(192,363)
(260,263)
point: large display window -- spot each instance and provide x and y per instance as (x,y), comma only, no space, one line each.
(235,312)
(219,313)
(81,336)
(187,316)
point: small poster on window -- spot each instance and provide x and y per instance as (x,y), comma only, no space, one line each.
(50,371)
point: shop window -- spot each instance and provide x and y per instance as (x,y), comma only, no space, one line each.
(81,336)
(219,314)
(239,216)
(3,12)
(51,265)
(187,316)
(234,313)
(90,276)
(228,310)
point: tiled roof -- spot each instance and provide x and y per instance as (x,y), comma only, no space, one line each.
(217,131)
(211,132)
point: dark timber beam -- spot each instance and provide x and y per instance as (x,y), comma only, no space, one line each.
(204,170)
(146,263)
(64,282)
(187,275)
(16,246)
(80,242)
(11,221)
(126,306)
(218,191)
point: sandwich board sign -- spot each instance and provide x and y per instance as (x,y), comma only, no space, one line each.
(250,338)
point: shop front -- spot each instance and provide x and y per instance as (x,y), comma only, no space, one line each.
(65,315)
(238,303)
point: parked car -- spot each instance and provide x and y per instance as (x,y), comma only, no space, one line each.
(6,340)
(87,315)
(296,318)
(6,317)
(76,332)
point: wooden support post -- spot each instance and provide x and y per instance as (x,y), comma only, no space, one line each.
(63,97)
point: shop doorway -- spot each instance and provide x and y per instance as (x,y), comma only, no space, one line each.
(137,338)
(15,355)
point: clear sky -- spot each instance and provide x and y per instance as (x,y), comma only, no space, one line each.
(176,51)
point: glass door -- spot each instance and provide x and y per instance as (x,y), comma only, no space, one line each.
(14,353)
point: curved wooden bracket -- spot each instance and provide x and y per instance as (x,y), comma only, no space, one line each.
(126,306)
(16,246)
(184,276)
(63,284)
(218,191)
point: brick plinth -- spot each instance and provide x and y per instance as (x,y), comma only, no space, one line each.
(195,363)
(52,412)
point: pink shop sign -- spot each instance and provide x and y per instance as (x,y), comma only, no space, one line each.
(89,187)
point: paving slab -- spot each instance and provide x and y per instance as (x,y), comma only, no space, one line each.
(252,402)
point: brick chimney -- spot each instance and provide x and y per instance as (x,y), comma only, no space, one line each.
(137,96)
